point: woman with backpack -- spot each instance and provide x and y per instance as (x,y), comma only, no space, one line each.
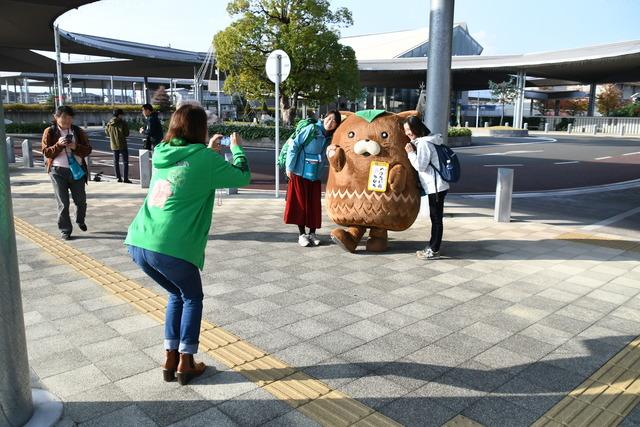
(306,159)
(423,155)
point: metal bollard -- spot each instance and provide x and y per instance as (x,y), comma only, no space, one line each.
(546,128)
(622,130)
(569,128)
(507,124)
(595,129)
(466,124)
(89,161)
(486,124)
(27,155)
(144,159)
(526,126)
(11,156)
(229,158)
(504,192)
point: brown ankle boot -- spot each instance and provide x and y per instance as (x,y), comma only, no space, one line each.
(170,365)
(188,368)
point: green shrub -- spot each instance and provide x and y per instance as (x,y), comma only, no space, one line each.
(459,132)
(26,127)
(250,131)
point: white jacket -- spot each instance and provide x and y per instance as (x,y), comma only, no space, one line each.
(426,153)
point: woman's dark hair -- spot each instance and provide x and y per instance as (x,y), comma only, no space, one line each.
(337,117)
(417,126)
(148,107)
(189,122)
(117,112)
(64,109)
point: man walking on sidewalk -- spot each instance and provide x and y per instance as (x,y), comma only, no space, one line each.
(117,130)
(152,129)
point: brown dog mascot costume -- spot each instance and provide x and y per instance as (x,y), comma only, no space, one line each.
(371,183)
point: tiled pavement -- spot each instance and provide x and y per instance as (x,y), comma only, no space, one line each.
(514,318)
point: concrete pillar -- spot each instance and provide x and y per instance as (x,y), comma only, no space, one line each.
(591,109)
(27,155)
(70,89)
(144,158)
(11,156)
(56,39)
(26,90)
(15,393)
(504,192)
(145,89)
(439,66)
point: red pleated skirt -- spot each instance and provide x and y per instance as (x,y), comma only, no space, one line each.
(303,205)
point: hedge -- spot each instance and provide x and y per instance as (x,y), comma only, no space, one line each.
(459,132)
(250,131)
(26,127)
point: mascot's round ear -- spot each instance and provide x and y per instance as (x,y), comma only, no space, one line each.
(407,114)
(345,114)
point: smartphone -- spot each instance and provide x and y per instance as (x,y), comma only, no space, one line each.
(68,137)
(225,141)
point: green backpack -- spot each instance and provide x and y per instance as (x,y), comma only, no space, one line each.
(282,157)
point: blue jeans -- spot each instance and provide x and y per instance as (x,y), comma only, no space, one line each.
(184,309)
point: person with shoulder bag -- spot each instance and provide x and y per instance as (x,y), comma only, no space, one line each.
(152,129)
(65,148)
(305,162)
(423,155)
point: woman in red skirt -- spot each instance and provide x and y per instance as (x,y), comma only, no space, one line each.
(305,162)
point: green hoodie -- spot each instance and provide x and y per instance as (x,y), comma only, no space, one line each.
(176,215)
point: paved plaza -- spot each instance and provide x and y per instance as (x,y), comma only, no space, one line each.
(506,325)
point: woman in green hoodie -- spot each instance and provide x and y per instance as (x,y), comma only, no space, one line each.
(167,238)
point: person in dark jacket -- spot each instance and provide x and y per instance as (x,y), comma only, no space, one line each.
(118,131)
(152,129)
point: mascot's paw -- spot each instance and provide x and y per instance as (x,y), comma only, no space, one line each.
(376,244)
(343,239)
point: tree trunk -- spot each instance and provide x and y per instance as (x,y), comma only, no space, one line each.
(288,110)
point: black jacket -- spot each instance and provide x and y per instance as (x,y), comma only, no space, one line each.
(152,130)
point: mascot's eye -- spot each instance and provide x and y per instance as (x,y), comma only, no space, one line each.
(384,135)
(351,134)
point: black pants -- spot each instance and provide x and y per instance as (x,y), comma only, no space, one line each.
(63,183)
(125,162)
(436,212)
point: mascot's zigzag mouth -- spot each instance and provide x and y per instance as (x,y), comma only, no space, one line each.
(369,195)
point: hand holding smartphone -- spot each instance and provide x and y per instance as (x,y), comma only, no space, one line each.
(225,141)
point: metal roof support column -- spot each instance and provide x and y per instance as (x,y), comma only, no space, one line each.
(591,110)
(70,88)
(26,90)
(439,66)
(519,105)
(145,90)
(111,92)
(56,36)
(15,391)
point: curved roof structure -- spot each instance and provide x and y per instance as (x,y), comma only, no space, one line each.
(616,62)
(140,60)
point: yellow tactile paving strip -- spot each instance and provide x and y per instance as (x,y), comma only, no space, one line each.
(605,398)
(308,395)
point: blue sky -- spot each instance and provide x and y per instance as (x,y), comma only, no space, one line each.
(501,26)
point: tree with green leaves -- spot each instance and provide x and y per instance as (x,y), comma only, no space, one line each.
(307,30)
(161,99)
(504,93)
(609,99)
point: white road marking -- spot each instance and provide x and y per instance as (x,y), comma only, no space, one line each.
(507,153)
(602,158)
(501,166)
(612,220)
(538,141)
(566,163)
(631,154)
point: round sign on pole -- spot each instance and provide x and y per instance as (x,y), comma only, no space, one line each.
(272,67)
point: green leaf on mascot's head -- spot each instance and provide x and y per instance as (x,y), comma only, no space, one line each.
(370,115)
